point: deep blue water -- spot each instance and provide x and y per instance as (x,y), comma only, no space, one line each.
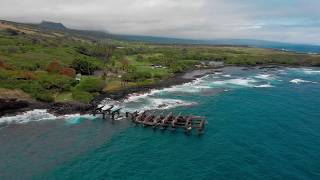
(253,132)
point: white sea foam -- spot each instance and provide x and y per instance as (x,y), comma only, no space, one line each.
(307,71)
(38,115)
(264,76)
(187,88)
(191,87)
(86,116)
(34,115)
(146,101)
(311,71)
(152,101)
(247,82)
(299,81)
(158,103)
(282,72)
(76,118)
(137,96)
(227,75)
(264,86)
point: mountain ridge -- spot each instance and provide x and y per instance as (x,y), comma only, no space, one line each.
(98,35)
(52,25)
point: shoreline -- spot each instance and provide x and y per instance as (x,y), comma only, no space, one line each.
(13,106)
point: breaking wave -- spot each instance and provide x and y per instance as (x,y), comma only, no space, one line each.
(38,115)
(195,86)
(306,71)
(152,101)
(299,81)
(156,104)
(264,76)
(264,86)
(247,82)
(34,115)
(311,71)
(227,75)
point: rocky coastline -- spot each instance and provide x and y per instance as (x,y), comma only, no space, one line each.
(13,106)
(16,106)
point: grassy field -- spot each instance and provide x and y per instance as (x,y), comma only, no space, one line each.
(43,64)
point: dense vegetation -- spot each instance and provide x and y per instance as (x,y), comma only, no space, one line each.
(44,64)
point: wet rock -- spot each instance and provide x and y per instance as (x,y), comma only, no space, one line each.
(162,106)
(70,108)
(269,67)
(11,105)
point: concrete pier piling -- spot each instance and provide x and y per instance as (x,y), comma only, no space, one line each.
(163,122)
(187,123)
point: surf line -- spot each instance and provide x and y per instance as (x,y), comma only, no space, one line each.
(160,121)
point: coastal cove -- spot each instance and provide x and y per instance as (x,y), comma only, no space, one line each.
(262,124)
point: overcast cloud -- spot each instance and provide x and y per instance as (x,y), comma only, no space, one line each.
(280,20)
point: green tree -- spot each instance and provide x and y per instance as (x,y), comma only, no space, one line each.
(125,64)
(105,50)
(84,66)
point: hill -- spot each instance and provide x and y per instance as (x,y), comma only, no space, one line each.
(300,48)
(52,25)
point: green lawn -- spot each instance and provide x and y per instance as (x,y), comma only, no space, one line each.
(64,97)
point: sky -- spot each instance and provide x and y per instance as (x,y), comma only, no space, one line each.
(296,21)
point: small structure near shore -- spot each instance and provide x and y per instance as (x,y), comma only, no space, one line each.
(163,122)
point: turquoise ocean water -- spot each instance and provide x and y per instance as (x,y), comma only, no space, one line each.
(262,124)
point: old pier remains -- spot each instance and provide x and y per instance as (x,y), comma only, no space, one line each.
(155,121)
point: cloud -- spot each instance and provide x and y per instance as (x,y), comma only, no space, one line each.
(281,20)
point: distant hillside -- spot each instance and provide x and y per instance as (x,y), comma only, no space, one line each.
(52,25)
(49,27)
(300,48)
(60,27)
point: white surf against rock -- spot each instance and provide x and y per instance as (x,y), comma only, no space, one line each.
(34,115)
(144,102)
(195,86)
(38,115)
(156,104)
(153,101)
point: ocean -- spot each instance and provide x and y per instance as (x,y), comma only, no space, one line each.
(262,124)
